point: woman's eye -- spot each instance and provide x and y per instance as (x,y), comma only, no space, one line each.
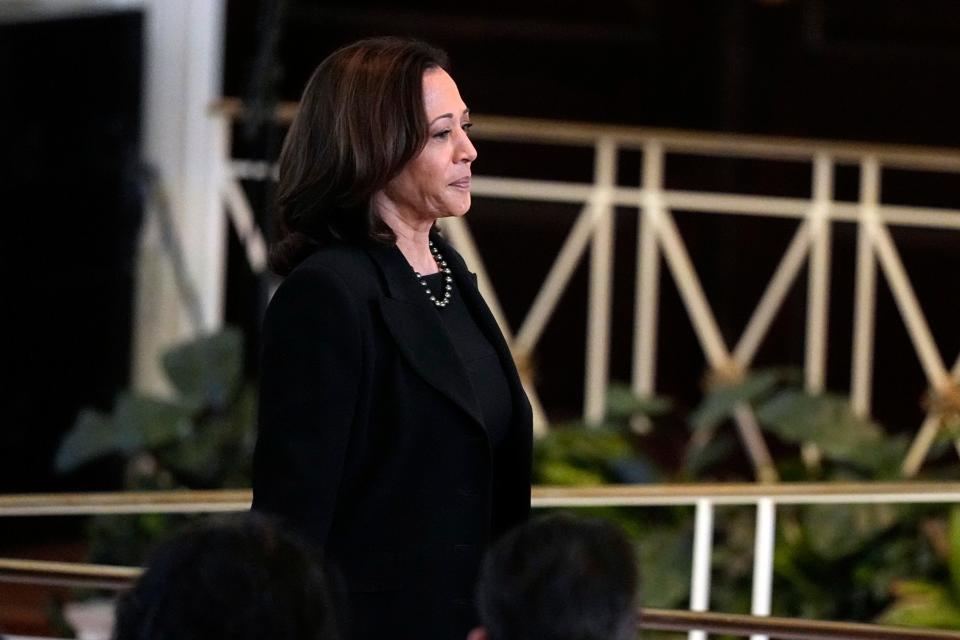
(467,126)
(442,134)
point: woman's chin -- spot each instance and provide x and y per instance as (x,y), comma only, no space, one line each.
(464,207)
(457,210)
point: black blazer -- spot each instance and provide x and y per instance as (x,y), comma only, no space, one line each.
(371,440)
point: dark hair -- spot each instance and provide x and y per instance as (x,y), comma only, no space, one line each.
(560,578)
(242,579)
(361,119)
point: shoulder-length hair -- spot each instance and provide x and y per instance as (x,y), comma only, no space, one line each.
(361,120)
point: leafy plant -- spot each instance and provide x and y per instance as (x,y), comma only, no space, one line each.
(892,558)
(842,440)
(200,438)
(929,603)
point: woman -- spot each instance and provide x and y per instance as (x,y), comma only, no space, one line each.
(393,428)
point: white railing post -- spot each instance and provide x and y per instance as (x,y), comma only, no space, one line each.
(648,272)
(818,284)
(600,301)
(818,288)
(702,560)
(763,560)
(865,292)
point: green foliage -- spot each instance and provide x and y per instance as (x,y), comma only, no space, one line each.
(137,423)
(721,402)
(954,559)
(713,453)
(833,532)
(202,438)
(827,421)
(664,554)
(951,427)
(622,404)
(126,540)
(208,371)
(835,562)
(93,435)
(572,456)
(921,603)
(925,603)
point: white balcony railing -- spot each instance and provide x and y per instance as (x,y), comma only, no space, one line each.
(658,234)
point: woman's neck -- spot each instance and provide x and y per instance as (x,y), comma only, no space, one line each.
(416,249)
(413,239)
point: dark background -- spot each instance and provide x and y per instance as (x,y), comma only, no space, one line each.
(69,193)
(873,70)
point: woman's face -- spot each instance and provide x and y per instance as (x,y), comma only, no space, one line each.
(436,183)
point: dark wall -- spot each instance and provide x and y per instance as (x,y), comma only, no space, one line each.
(69,125)
(858,69)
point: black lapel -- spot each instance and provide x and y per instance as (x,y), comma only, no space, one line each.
(467,287)
(419,332)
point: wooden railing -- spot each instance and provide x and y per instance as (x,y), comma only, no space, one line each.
(119,578)
(544,496)
(781,628)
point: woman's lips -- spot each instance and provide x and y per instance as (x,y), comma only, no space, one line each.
(462,183)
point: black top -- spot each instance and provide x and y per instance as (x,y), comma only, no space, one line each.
(372,443)
(480,360)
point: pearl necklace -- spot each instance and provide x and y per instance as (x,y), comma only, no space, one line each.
(448,280)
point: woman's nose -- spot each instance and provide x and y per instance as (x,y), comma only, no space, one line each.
(468,153)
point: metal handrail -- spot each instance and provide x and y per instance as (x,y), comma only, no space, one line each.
(131,502)
(746,493)
(716,144)
(781,628)
(543,496)
(120,578)
(67,574)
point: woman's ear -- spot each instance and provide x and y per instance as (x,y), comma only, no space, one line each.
(478,633)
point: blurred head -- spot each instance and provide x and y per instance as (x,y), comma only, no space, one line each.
(362,121)
(559,578)
(239,580)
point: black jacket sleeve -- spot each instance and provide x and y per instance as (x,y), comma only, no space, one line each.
(311,366)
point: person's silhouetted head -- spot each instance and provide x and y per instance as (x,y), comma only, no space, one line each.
(243,579)
(559,578)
